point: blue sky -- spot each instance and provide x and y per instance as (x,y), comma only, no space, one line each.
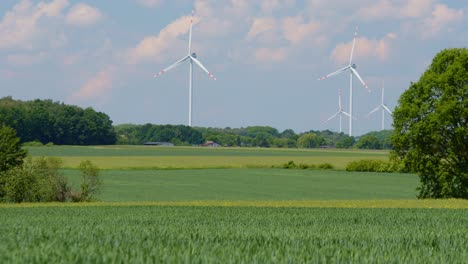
(267,56)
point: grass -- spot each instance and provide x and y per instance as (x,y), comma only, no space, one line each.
(162,234)
(147,157)
(250,184)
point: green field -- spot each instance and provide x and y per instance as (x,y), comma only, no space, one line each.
(228,205)
(251,184)
(154,234)
(149,157)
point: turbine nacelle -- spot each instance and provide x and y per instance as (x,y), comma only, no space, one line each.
(354,66)
(194,55)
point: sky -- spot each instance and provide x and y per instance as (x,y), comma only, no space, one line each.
(267,56)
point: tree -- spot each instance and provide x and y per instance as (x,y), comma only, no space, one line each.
(309,140)
(369,142)
(431,126)
(11,154)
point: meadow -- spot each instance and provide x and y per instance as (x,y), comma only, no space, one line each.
(229,205)
(150,157)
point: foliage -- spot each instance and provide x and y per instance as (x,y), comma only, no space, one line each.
(213,234)
(431,126)
(310,140)
(11,154)
(346,142)
(90,182)
(368,142)
(176,134)
(372,165)
(47,121)
(36,180)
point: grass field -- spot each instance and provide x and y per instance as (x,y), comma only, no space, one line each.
(251,184)
(228,205)
(147,157)
(162,234)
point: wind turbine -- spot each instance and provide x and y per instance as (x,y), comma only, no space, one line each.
(340,111)
(352,71)
(382,107)
(192,57)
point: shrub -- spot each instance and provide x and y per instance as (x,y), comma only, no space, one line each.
(35,181)
(369,165)
(90,181)
(325,166)
(33,144)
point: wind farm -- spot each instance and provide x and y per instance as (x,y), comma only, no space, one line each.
(106,158)
(192,58)
(352,68)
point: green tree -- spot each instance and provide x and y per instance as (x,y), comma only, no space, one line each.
(345,142)
(309,140)
(11,154)
(431,126)
(368,142)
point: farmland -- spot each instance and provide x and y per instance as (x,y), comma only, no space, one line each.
(185,204)
(103,234)
(143,157)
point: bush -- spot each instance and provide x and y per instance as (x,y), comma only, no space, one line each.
(303,166)
(369,165)
(33,144)
(35,181)
(325,166)
(90,182)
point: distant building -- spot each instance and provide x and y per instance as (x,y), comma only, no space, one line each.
(167,144)
(211,144)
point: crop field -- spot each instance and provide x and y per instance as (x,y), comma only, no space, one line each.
(150,157)
(250,184)
(228,205)
(161,234)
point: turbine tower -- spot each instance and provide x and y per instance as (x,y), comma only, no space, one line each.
(382,107)
(192,57)
(352,71)
(340,112)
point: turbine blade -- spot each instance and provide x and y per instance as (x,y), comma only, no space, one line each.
(335,73)
(359,77)
(354,44)
(190,34)
(203,67)
(333,116)
(375,110)
(386,108)
(171,67)
(346,114)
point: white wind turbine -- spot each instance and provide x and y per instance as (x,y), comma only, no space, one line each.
(192,57)
(352,68)
(340,112)
(382,107)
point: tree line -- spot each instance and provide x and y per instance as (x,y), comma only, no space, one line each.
(46,121)
(253,136)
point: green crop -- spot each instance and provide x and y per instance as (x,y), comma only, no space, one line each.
(159,234)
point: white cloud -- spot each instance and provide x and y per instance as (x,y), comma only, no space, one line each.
(149,3)
(260,26)
(365,48)
(83,15)
(295,29)
(153,47)
(97,87)
(23,59)
(265,55)
(20,26)
(442,17)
